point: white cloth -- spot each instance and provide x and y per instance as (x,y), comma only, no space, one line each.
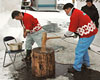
(68,33)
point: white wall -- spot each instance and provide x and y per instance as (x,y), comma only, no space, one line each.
(8,5)
(63,1)
(7,25)
(66,1)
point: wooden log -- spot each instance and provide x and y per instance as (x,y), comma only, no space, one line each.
(43,63)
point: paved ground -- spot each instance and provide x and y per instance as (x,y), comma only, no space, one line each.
(64,57)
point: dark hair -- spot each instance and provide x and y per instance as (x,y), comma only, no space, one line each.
(68,5)
(89,1)
(15,13)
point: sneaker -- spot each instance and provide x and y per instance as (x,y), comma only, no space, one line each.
(84,66)
(72,70)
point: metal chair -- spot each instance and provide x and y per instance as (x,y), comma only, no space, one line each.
(7,40)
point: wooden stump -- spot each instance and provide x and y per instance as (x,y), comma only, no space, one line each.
(43,63)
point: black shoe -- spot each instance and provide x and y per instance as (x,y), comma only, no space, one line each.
(89,48)
(26,59)
(72,70)
(84,66)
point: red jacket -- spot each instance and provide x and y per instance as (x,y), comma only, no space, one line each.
(30,22)
(82,24)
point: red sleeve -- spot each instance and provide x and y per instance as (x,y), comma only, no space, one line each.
(30,22)
(35,22)
(73,22)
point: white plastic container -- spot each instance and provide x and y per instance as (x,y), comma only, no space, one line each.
(15,46)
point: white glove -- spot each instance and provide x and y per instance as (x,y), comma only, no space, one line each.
(63,37)
(68,33)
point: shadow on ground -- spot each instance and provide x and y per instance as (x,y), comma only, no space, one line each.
(88,74)
(60,70)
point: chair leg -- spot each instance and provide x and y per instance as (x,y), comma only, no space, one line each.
(4,60)
(14,57)
(12,62)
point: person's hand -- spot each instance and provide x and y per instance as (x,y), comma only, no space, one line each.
(68,33)
(63,37)
(75,36)
(25,34)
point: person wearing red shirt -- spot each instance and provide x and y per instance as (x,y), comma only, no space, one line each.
(81,24)
(32,30)
(91,10)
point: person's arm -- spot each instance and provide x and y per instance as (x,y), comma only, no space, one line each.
(68,33)
(73,25)
(24,30)
(96,19)
(24,33)
(74,21)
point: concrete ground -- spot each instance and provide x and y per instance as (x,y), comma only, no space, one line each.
(64,58)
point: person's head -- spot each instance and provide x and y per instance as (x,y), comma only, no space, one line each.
(67,7)
(89,3)
(17,15)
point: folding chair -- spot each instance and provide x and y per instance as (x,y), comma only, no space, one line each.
(6,40)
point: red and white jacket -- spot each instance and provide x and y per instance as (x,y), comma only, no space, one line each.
(82,24)
(30,23)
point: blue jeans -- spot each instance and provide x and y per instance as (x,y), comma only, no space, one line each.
(81,53)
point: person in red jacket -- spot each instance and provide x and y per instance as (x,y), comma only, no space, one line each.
(32,30)
(81,24)
(91,10)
